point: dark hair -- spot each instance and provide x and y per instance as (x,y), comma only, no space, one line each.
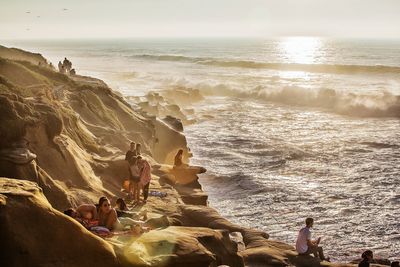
(133,143)
(102,200)
(309,221)
(69,212)
(121,204)
(395,264)
(138,145)
(366,253)
(180,152)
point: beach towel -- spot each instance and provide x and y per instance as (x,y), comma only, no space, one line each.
(157,194)
(100,231)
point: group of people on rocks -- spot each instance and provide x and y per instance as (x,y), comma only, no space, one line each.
(305,245)
(104,220)
(139,174)
(65,67)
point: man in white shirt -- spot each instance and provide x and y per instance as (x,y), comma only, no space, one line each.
(305,245)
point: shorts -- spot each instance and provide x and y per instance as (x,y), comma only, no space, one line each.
(134,179)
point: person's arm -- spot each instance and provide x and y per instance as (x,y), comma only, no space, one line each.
(310,242)
(112,219)
(87,208)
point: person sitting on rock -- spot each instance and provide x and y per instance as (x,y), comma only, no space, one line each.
(305,245)
(129,218)
(145,177)
(131,152)
(72,72)
(123,211)
(367,258)
(106,214)
(178,162)
(134,179)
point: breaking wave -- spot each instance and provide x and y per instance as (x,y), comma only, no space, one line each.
(318,68)
(383,104)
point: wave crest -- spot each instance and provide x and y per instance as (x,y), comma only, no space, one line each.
(383,104)
(317,68)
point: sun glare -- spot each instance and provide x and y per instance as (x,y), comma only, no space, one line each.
(301,50)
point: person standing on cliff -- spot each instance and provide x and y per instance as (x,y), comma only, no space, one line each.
(145,177)
(134,179)
(131,152)
(305,245)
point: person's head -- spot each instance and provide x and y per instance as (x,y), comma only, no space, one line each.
(71,213)
(367,255)
(395,264)
(309,222)
(121,205)
(133,146)
(138,147)
(104,205)
(180,152)
(87,215)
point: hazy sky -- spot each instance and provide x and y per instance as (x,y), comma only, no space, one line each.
(188,18)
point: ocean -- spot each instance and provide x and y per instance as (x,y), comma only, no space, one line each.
(289,128)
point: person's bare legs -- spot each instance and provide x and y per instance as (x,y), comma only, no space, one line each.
(131,189)
(136,192)
(317,252)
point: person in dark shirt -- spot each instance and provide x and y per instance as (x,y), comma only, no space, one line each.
(131,152)
(367,257)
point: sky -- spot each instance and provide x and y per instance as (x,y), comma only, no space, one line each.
(70,19)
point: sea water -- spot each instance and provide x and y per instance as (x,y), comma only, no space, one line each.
(289,128)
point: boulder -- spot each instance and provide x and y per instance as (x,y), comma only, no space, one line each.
(32,233)
(180,247)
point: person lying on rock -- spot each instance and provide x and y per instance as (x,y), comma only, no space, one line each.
(305,245)
(367,258)
(123,211)
(131,152)
(106,214)
(86,214)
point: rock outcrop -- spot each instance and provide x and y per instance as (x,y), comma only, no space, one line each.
(32,233)
(76,126)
